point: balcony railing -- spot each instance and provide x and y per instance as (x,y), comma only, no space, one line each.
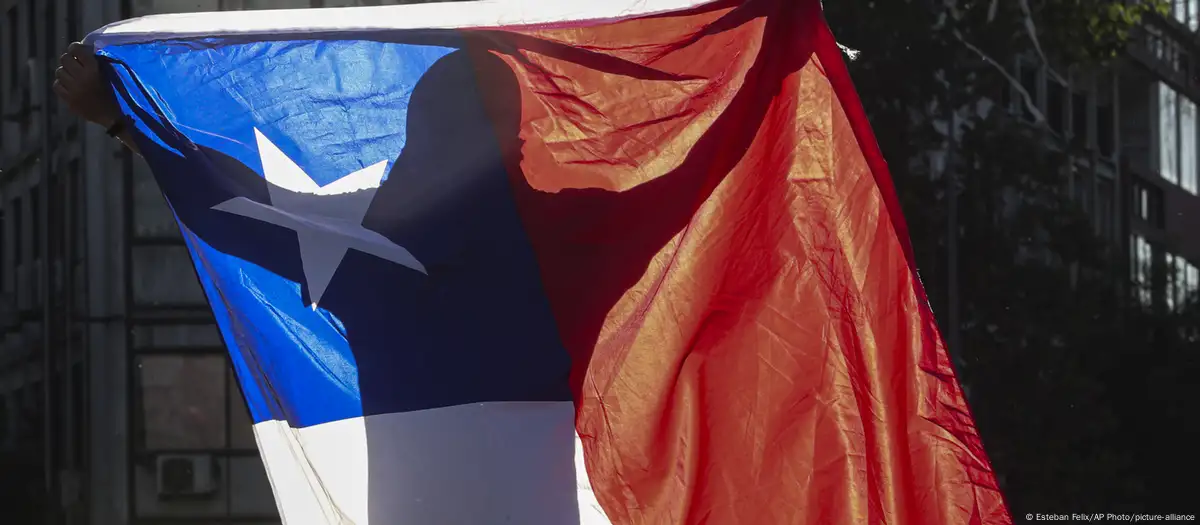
(1167,57)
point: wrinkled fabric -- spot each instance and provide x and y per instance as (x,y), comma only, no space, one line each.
(690,206)
(727,262)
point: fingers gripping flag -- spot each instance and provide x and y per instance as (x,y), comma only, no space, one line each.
(543,263)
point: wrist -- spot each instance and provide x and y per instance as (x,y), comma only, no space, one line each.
(116,129)
(108,121)
(105,115)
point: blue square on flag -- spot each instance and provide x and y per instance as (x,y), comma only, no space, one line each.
(350,212)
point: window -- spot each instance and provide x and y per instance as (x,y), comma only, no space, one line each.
(1168,150)
(1056,106)
(1187,145)
(1147,203)
(1154,41)
(187,402)
(182,401)
(1191,281)
(1177,138)
(1028,75)
(1079,118)
(1105,141)
(1182,283)
(1142,265)
(1186,12)
(165,277)
(190,401)
(1171,53)
(1174,286)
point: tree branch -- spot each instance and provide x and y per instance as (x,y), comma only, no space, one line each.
(1037,45)
(1029,104)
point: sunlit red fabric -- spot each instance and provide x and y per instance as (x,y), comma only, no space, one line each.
(721,243)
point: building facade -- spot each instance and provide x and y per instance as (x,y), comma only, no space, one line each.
(1137,122)
(1162,79)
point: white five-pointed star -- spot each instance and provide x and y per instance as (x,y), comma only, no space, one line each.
(325,228)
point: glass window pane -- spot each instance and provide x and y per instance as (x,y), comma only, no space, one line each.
(165,276)
(1133,261)
(1079,117)
(1141,268)
(1105,130)
(1170,294)
(1168,153)
(182,400)
(183,337)
(1029,80)
(1180,274)
(1187,144)
(1056,106)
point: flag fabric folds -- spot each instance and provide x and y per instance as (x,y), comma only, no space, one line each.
(548,262)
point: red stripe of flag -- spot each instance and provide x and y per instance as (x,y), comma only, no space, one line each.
(728,266)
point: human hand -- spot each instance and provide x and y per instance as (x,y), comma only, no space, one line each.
(80,84)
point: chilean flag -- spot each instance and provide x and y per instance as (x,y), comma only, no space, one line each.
(553,262)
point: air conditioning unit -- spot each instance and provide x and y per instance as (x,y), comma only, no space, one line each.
(185,475)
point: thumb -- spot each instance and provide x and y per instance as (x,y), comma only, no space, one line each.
(86,54)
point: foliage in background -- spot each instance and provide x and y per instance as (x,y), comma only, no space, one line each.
(1083,397)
